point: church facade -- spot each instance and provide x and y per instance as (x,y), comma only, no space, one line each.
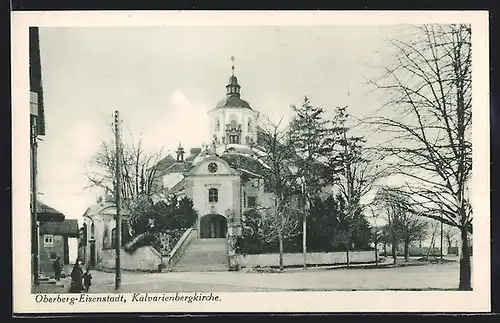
(223,179)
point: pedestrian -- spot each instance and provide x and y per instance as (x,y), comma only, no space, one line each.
(76,278)
(57,266)
(87,280)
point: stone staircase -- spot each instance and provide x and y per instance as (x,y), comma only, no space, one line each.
(204,255)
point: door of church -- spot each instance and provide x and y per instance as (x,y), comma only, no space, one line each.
(213,226)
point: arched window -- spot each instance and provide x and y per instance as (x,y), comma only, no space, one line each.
(233,130)
(92,230)
(217,124)
(213,195)
(234,139)
(249,126)
(233,124)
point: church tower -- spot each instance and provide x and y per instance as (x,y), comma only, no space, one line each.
(180,153)
(233,121)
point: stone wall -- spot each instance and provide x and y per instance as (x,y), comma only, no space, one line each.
(143,259)
(313,258)
(179,248)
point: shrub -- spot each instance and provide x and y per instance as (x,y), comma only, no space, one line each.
(142,240)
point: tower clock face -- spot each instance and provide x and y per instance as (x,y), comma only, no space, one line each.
(212,167)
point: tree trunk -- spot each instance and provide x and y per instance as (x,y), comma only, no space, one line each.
(304,240)
(280,240)
(376,253)
(465,263)
(347,254)
(431,245)
(441,243)
(394,251)
(406,250)
(385,249)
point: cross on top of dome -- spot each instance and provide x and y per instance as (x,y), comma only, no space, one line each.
(233,93)
(233,88)
(232,66)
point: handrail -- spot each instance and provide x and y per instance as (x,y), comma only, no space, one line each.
(180,246)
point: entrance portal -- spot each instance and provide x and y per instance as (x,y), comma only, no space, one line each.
(213,226)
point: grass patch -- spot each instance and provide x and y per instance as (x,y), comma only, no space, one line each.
(435,260)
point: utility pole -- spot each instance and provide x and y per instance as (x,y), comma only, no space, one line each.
(304,226)
(118,235)
(347,165)
(34,218)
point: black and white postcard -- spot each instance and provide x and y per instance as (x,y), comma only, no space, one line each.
(250,161)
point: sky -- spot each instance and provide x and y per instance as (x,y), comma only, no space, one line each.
(164,80)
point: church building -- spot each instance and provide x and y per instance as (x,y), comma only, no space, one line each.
(224,179)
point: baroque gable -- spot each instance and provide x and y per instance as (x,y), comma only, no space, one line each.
(212,166)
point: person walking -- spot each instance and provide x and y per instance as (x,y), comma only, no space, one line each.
(57,266)
(76,278)
(87,280)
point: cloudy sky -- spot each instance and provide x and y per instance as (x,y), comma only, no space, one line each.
(163,80)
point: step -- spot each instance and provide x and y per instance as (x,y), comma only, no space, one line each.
(207,250)
(200,268)
(203,255)
(204,263)
(192,261)
(212,240)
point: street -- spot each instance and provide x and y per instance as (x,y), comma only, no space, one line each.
(432,276)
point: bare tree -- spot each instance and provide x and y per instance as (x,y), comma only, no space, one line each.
(280,223)
(411,228)
(449,234)
(278,156)
(138,170)
(350,229)
(434,228)
(430,121)
(377,233)
(389,204)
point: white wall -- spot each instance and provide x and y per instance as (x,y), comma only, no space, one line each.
(200,195)
(241,115)
(313,258)
(197,188)
(144,258)
(73,249)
